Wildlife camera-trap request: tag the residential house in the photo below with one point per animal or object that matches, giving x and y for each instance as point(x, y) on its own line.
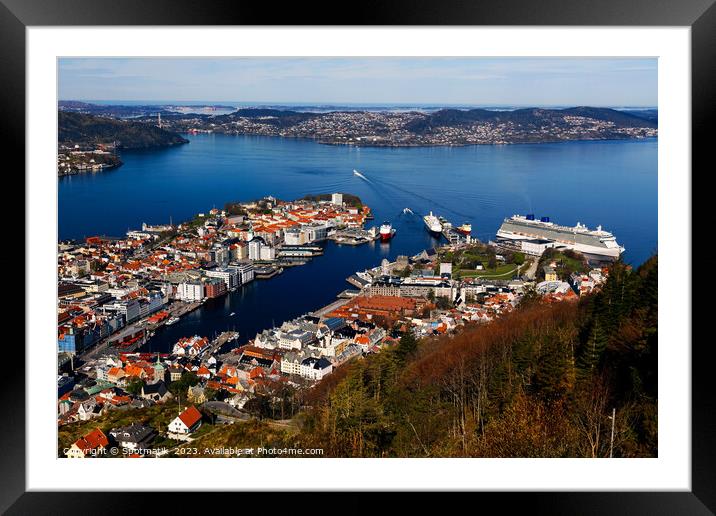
point(315, 368)
point(91, 444)
point(133, 437)
point(187, 422)
point(196, 394)
point(156, 392)
point(88, 409)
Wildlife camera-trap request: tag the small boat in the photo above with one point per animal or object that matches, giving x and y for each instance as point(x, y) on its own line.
point(172, 321)
point(232, 314)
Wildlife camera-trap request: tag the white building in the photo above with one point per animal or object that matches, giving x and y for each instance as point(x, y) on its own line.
point(291, 363)
point(239, 251)
point(294, 339)
point(315, 368)
point(337, 199)
point(245, 272)
point(446, 268)
point(220, 254)
point(255, 246)
point(535, 247)
point(190, 291)
point(228, 275)
point(186, 422)
point(296, 236)
point(129, 309)
point(267, 253)
point(154, 301)
point(317, 232)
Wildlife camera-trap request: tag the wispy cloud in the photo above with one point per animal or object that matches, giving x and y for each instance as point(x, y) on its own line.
point(548, 80)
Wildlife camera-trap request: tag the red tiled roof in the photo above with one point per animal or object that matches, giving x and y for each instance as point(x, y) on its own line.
point(93, 440)
point(190, 416)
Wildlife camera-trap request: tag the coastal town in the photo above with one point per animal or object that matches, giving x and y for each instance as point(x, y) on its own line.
point(75, 159)
point(94, 128)
point(115, 293)
point(446, 127)
point(351, 257)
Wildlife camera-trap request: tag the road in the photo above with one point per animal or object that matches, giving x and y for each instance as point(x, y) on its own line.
point(532, 270)
point(175, 309)
point(221, 340)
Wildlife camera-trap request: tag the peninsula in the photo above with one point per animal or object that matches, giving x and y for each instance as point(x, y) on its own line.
point(91, 143)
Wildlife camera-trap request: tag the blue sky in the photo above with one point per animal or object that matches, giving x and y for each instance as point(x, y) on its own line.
point(406, 80)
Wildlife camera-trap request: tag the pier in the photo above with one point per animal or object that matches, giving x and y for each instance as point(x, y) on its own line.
point(329, 308)
point(222, 339)
point(354, 236)
point(266, 271)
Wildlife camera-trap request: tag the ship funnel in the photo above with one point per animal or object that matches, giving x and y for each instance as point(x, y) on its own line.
point(544, 219)
point(530, 216)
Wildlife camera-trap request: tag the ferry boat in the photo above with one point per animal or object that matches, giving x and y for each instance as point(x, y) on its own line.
point(594, 243)
point(386, 231)
point(433, 224)
point(465, 228)
point(172, 321)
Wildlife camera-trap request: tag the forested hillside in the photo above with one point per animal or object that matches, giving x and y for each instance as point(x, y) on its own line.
point(88, 130)
point(540, 382)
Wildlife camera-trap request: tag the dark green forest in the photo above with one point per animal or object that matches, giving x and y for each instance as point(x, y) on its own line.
point(82, 129)
point(540, 382)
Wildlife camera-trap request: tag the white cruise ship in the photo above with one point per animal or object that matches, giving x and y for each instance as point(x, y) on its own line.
point(433, 223)
point(595, 243)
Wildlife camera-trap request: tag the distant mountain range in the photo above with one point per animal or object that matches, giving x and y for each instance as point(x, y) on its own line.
point(448, 126)
point(529, 117)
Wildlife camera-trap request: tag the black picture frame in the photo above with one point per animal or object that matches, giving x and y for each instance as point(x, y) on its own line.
point(700, 15)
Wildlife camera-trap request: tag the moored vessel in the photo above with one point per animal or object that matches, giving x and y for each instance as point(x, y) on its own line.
point(465, 228)
point(386, 231)
point(533, 236)
point(433, 224)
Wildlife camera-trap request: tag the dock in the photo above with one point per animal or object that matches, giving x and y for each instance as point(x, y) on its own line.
point(452, 235)
point(455, 237)
point(348, 294)
point(266, 272)
point(222, 339)
point(354, 236)
point(133, 336)
point(329, 308)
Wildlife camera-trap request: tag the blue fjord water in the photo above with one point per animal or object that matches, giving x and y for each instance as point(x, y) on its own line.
point(612, 183)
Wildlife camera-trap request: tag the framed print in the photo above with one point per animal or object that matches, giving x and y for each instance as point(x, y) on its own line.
point(416, 254)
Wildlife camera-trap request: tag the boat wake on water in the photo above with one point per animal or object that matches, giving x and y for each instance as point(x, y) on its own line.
point(432, 202)
point(356, 173)
point(409, 192)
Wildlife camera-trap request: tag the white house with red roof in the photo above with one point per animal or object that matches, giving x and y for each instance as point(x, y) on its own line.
point(187, 422)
